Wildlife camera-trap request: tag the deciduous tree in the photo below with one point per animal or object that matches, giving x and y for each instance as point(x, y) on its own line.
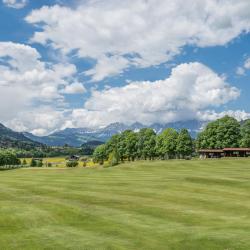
point(184, 145)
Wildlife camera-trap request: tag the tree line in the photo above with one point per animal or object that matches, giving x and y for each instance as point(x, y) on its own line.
point(226, 132)
point(147, 145)
point(8, 157)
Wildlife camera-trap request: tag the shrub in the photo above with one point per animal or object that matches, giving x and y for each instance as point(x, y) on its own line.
point(8, 158)
point(72, 164)
point(40, 163)
point(33, 163)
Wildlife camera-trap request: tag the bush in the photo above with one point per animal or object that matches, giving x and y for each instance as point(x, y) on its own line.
point(8, 158)
point(72, 164)
point(33, 163)
point(40, 163)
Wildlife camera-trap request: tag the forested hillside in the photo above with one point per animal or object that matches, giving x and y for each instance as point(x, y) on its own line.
point(12, 139)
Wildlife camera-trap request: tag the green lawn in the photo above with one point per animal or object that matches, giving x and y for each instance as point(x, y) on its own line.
point(146, 205)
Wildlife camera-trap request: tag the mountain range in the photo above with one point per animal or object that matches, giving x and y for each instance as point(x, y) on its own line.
point(12, 139)
point(78, 136)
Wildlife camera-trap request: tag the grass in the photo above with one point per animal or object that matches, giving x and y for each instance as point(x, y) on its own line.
point(144, 205)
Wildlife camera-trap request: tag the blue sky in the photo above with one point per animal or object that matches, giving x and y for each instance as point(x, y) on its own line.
point(90, 63)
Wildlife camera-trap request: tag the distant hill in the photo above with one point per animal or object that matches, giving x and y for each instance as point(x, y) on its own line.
point(12, 139)
point(78, 136)
point(89, 147)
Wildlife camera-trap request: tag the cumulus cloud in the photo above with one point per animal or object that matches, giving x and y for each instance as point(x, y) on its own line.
point(17, 4)
point(39, 121)
point(247, 63)
point(25, 80)
point(189, 91)
point(211, 115)
point(138, 33)
point(241, 71)
point(74, 88)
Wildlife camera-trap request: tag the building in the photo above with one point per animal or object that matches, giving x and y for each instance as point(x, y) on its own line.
point(225, 152)
point(211, 153)
point(236, 152)
point(74, 158)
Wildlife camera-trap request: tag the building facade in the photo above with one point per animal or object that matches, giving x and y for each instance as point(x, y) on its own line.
point(225, 152)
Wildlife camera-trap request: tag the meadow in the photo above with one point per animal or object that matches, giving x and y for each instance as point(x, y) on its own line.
point(58, 162)
point(144, 205)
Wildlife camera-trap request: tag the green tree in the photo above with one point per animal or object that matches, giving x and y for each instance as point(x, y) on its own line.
point(40, 163)
point(121, 145)
point(166, 143)
point(8, 157)
point(33, 163)
point(112, 143)
point(146, 144)
point(24, 163)
point(114, 158)
point(127, 145)
point(184, 144)
point(245, 134)
point(222, 133)
point(100, 154)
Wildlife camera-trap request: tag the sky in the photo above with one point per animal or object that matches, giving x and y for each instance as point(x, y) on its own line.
point(89, 63)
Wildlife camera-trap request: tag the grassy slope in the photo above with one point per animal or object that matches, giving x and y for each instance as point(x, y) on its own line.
point(157, 205)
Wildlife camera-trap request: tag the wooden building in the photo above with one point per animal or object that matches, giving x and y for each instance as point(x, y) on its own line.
point(74, 158)
point(211, 153)
point(236, 152)
point(225, 152)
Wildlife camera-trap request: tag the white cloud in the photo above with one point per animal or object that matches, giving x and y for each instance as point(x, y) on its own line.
point(209, 115)
point(25, 80)
point(189, 91)
point(138, 33)
point(247, 64)
point(17, 4)
point(74, 88)
point(39, 121)
point(240, 71)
